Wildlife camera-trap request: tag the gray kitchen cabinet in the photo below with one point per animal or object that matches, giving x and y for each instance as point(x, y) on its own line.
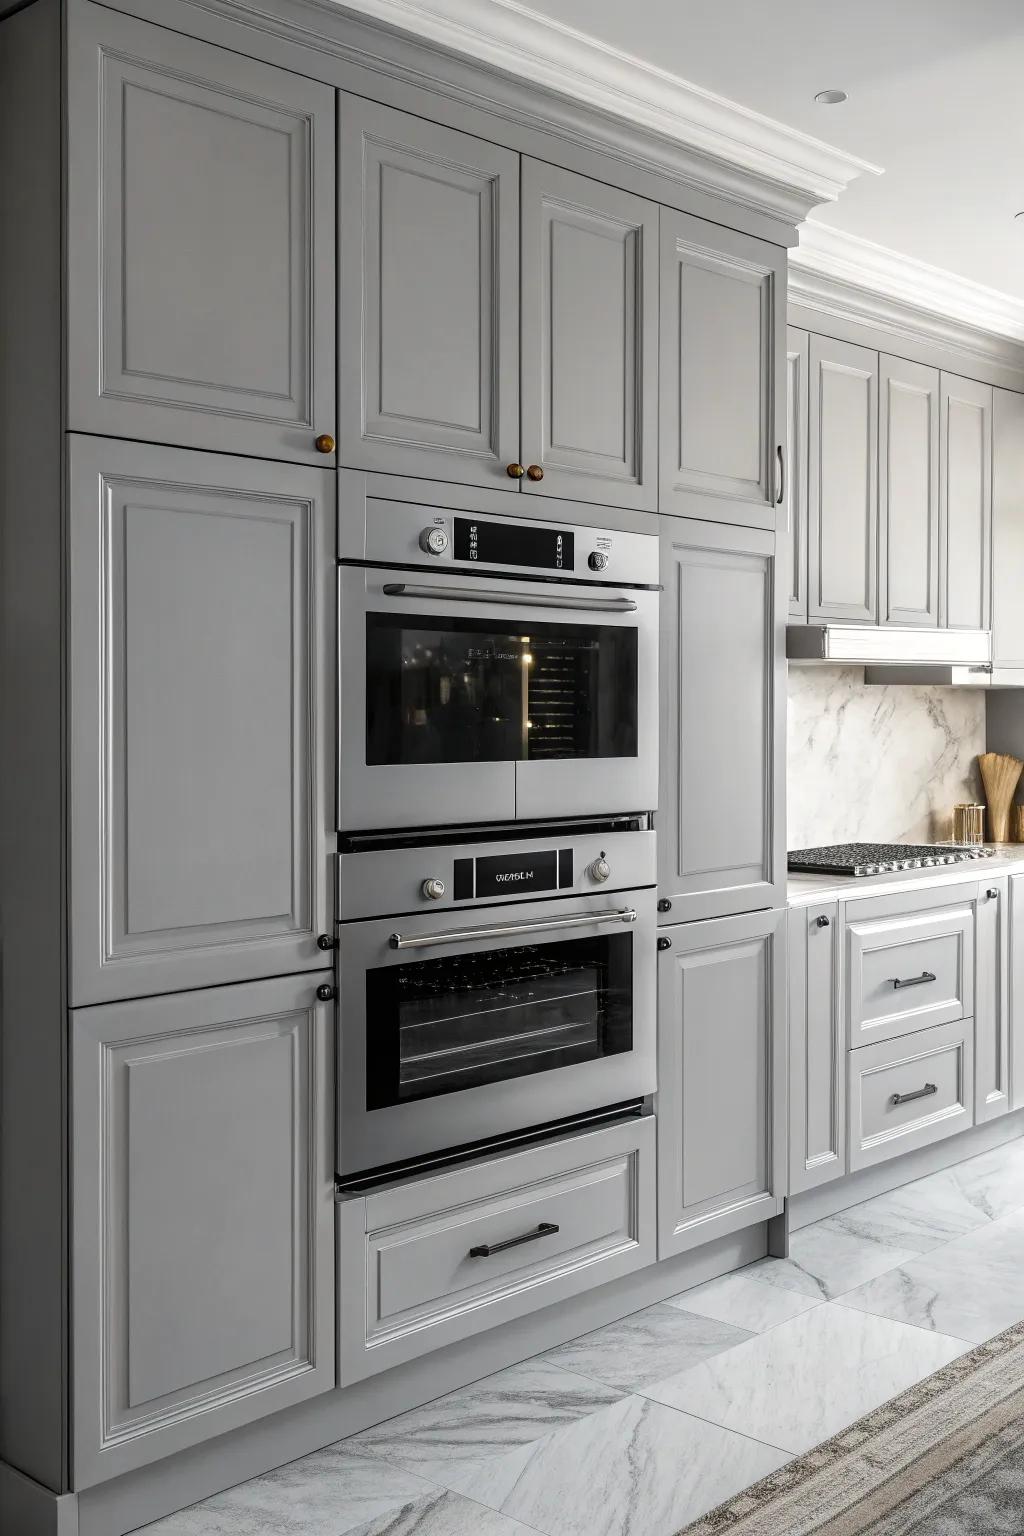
point(795, 490)
point(1015, 990)
point(200, 263)
point(721, 812)
point(589, 340)
point(817, 1049)
point(908, 492)
point(202, 710)
point(428, 298)
point(203, 1217)
point(1007, 529)
point(992, 1000)
point(723, 373)
point(965, 502)
point(842, 497)
point(721, 1077)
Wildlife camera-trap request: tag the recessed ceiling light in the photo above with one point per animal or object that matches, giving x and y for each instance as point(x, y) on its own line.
point(830, 98)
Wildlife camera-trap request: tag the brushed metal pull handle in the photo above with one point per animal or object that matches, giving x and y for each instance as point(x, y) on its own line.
point(485, 1250)
point(502, 930)
point(510, 599)
point(913, 981)
point(918, 1093)
point(780, 498)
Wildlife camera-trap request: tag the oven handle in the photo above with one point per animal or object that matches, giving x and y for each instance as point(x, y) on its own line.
point(511, 599)
point(500, 930)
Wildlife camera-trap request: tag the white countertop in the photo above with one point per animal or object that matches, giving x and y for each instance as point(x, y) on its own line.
point(803, 889)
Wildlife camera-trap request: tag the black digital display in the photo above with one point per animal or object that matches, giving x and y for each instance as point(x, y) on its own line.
point(506, 874)
point(483, 543)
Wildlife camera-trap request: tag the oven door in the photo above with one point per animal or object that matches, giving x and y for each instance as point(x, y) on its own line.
point(453, 1032)
point(467, 699)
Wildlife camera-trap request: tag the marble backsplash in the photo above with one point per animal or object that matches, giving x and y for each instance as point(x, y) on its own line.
point(878, 763)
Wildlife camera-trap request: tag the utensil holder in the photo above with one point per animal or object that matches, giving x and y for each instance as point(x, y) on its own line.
point(1000, 775)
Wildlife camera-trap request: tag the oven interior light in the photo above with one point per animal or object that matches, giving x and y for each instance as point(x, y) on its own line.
point(527, 658)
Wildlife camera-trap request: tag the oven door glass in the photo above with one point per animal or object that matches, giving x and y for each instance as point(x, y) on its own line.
point(453, 1022)
point(464, 690)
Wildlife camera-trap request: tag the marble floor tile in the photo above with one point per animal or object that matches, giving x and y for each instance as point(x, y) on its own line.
point(329, 1493)
point(513, 1407)
point(971, 1288)
point(650, 1344)
point(825, 1260)
point(993, 1182)
point(634, 1469)
point(443, 1513)
point(918, 1216)
point(744, 1300)
point(806, 1379)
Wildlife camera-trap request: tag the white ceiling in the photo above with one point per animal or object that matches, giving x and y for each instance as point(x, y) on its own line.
point(936, 97)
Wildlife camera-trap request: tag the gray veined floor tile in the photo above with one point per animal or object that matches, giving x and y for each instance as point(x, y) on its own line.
point(992, 1183)
point(825, 1260)
point(329, 1493)
point(917, 1216)
point(745, 1300)
point(972, 1288)
point(634, 1469)
point(807, 1379)
point(513, 1407)
point(650, 1344)
point(443, 1514)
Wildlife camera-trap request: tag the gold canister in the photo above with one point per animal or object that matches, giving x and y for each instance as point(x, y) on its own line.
point(969, 824)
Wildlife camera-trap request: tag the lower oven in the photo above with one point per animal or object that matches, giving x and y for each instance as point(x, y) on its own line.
point(466, 1015)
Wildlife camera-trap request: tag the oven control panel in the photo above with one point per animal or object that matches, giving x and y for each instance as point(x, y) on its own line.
point(394, 880)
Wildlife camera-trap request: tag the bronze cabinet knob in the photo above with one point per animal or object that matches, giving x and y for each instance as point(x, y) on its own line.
point(515, 471)
point(534, 472)
point(325, 443)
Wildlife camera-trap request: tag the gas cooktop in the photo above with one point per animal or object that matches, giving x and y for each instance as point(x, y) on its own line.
point(881, 858)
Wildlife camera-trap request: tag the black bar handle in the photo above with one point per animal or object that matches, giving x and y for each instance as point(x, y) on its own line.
point(780, 498)
point(918, 1093)
point(484, 1250)
point(913, 981)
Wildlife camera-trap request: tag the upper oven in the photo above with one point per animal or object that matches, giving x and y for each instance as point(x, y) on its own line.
point(494, 670)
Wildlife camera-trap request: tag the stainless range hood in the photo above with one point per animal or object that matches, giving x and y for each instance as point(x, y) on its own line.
point(896, 654)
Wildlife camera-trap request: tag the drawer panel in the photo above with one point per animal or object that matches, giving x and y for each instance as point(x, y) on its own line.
point(908, 1092)
point(909, 972)
point(409, 1282)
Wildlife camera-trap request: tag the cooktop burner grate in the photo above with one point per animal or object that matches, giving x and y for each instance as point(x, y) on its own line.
point(881, 858)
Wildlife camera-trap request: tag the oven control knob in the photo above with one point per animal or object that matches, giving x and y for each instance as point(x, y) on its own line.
point(597, 560)
point(433, 889)
point(434, 541)
point(599, 870)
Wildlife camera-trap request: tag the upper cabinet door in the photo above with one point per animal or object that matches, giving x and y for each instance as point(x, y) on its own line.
point(794, 497)
point(723, 360)
point(842, 510)
point(200, 243)
point(1008, 530)
point(965, 479)
point(908, 492)
point(428, 298)
point(202, 718)
point(589, 340)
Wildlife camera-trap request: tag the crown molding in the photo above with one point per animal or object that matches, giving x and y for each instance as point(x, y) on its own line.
point(855, 279)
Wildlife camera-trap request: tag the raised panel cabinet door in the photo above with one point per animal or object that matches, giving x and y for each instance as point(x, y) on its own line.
point(428, 299)
point(842, 492)
point(1015, 960)
point(721, 811)
point(992, 1006)
point(721, 1078)
point(723, 373)
point(817, 1049)
point(794, 498)
point(201, 234)
point(1007, 528)
point(965, 503)
point(589, 340)
point(203, 1217)
point(202, 708)
point(908, 492)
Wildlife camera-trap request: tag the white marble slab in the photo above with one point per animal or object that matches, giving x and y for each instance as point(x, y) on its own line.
point(746, 1301)
point(992, 1183)
point(825, 1260)
point(634, 1469)
point(443, 1514)
point(918, 1216)
point(805, 1380)
point(647, 1346)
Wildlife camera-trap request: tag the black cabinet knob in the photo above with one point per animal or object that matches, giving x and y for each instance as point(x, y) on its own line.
point(325, 992)
point(822, 921)
point(325, 941)
point(664, 905)
point(664, 943)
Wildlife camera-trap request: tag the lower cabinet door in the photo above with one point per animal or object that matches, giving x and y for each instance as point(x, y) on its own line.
point(817, 1049)
point(721, 1077)
point(992, 1019)
point(203, 1217)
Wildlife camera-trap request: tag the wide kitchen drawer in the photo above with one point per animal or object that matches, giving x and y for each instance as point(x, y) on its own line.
point(907, 970)
point(909, 1092)
point(426, 1263)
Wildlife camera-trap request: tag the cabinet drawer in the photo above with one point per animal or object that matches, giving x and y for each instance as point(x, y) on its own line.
point(909, 1092)
point(910, 971)
point(440, 1258)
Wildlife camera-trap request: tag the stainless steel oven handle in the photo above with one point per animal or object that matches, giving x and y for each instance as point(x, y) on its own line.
point(511, 599)
point(501, 930)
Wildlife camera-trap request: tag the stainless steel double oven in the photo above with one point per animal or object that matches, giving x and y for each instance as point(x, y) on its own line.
point(497, 770)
